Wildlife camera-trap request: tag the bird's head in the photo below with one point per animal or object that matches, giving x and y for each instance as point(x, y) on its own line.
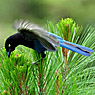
point(13, 41)
point(9, 45)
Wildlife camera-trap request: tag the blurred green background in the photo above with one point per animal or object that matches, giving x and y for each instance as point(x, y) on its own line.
point(41, 11)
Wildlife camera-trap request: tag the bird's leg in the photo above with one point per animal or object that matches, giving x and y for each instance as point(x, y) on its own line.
point(42, 56)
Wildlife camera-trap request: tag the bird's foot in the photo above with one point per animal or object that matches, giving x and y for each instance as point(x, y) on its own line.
point(36, 62)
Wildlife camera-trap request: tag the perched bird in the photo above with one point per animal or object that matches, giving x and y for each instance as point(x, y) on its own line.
point(35, 37)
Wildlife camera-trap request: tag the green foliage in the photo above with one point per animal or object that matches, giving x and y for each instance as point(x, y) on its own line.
point(18, 76)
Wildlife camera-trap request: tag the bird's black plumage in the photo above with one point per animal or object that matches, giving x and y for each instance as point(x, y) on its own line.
point(20, 39)
point(35, 37)
point(32, 36)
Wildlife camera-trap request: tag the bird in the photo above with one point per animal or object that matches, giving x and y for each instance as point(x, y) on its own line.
point(33, 36)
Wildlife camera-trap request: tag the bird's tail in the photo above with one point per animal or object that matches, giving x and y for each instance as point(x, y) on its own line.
point(75, 47)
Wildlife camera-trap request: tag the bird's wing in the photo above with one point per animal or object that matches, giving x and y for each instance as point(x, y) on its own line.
point(50, 42)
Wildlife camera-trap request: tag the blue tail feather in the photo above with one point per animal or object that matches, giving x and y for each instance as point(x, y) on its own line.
point(76, 45)
point(72, 46)
point(74, 49)
point(55, 36)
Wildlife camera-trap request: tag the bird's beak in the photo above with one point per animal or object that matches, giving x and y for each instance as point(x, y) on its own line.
point(8, 54)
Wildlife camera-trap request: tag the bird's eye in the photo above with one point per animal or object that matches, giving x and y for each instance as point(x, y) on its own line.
point(9, 45)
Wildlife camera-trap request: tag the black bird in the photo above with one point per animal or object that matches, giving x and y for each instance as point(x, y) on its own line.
point(35, 37)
